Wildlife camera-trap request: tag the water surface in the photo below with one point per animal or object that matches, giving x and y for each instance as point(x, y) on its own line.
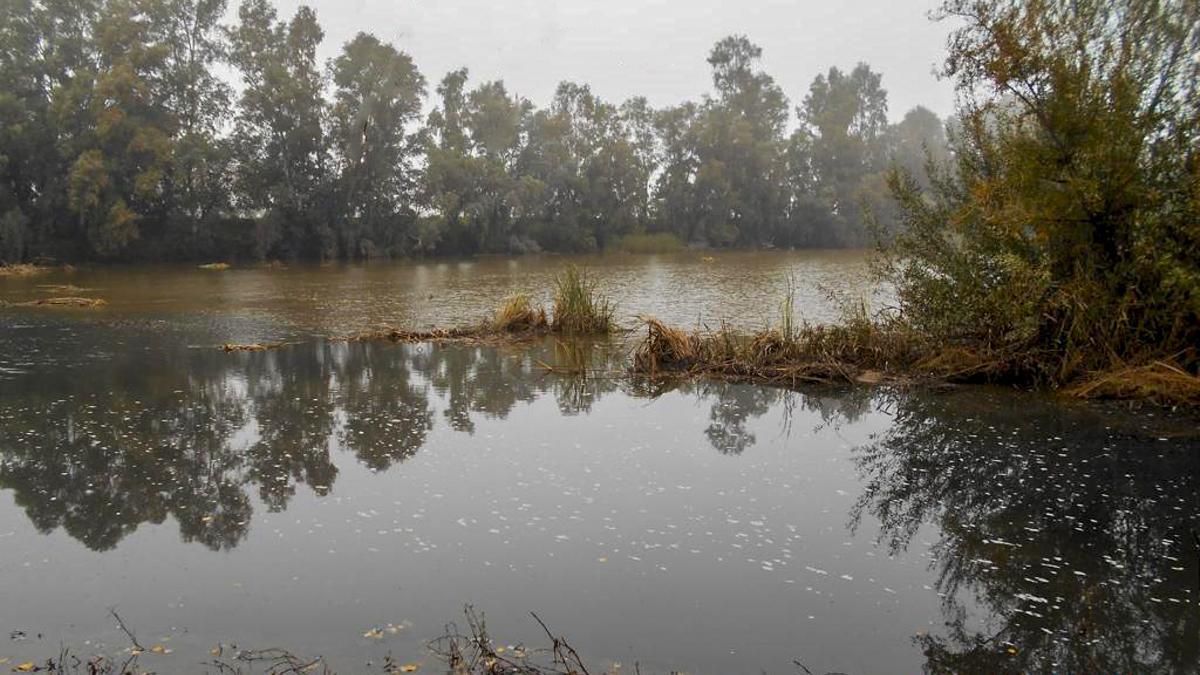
point(304, 497)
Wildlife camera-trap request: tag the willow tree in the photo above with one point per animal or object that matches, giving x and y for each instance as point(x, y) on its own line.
point(1067, 229)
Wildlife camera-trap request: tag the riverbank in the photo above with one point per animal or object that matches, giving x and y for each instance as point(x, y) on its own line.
point(858, 349)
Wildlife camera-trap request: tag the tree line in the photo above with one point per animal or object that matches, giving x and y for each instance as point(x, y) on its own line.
point(120, 141)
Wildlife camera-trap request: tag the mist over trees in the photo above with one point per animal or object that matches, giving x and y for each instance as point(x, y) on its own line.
point(119, 141)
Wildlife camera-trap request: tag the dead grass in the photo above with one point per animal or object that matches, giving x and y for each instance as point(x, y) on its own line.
point(22, 270)
point(63, 288)
point(62, 302)
point(1161, 382)
point(518, 315)
point(789, 355)
point(251, 347)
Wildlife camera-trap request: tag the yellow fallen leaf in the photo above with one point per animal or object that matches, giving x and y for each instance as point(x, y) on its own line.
point(374, 634)
point(215, 651)
point(500, 650)
point(410, 667)
point(159, 649)
point(27, 667)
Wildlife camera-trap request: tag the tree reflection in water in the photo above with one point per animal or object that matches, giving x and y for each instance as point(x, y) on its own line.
point(1075, 539)
point(100, 452)
point(1061, 544)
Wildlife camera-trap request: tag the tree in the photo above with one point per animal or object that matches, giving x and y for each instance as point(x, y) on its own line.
point(123, 154)
point(378, 96)
point(481, 201)
point(1067, 228)
point(839, 144)
point(279, 133)
point(721, 161)
point(198, 100)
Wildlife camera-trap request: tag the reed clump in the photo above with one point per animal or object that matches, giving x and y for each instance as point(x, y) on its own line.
point(518, 315)
point(804, 354)
point(579, 306)
point(517, 318)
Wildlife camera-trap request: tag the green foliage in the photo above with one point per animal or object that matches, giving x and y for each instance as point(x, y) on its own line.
point(579, 306)
point(120, 140)
point(1066, 229)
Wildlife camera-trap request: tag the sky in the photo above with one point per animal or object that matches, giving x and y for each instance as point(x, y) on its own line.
point(654, 48)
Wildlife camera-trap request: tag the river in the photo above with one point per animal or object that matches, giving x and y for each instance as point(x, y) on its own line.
point(347, 500)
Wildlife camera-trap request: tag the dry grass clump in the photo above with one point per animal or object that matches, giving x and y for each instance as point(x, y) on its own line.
point(216, 267)
point(22, 270)
point(788, 353)
point(1162, 382)
point(63, 288)
point(579, 307)
point(518, 315)
point(474, 652)
point(463, 333)
point(251, 347)
point(62, 302)
point(516, 319)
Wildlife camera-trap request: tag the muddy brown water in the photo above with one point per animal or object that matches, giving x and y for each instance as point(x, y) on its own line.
point(346, 500)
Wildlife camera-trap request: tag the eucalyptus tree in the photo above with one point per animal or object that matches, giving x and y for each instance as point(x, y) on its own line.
point(480, 200)
point(123, 140)
point(723, 159)
point(198, 99)
point(23, 122)
point(47, 59)
point(279, 137)
point(843, 123)
point(377, 99)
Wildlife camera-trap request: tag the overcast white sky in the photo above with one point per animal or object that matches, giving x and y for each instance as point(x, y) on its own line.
point(656, 48)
